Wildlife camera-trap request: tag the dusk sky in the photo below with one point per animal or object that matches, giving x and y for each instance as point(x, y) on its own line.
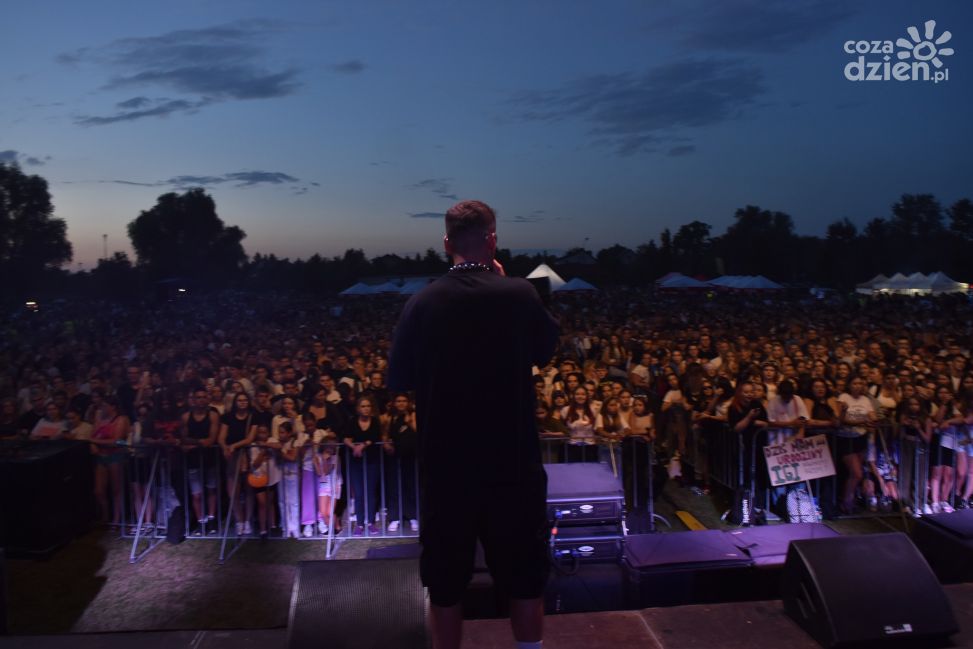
point(319, 126)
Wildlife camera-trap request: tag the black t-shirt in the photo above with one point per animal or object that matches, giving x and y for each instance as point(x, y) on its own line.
point(236, 428)
point(466, 344)
point(262, 418)
point(28, 420)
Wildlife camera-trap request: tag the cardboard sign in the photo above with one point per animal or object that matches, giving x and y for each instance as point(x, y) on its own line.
point(797, 460)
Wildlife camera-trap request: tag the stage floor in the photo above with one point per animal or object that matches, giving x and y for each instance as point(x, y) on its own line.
point(740, 625)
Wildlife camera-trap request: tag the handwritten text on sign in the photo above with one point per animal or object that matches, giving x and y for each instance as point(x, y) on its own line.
point(797, 460)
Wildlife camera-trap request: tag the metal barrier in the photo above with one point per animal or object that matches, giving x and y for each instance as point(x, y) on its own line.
point(326, 492)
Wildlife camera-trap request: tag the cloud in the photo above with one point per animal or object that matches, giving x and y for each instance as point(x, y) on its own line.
point(752, 25)
point(427, 215)
point(438, 186)
point(134, 102)
point(354, 66)
point(209, 65)
point(11, 156)
point(682, 149)
point(237, 179)
point(163, 109)
point(634, 113)
point(535, 216)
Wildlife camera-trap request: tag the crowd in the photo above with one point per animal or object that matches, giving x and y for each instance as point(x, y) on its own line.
point(282, 397)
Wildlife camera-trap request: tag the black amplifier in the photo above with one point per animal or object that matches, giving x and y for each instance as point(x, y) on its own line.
point(584, 494)
point(588, 544)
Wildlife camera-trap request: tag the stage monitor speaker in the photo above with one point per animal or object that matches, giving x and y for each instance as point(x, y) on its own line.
point(358, 604)
point(867, 590)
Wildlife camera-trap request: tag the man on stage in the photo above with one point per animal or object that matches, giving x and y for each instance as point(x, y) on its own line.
point(466, 344)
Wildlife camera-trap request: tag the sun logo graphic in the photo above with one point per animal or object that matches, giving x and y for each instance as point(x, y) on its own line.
point(918, 59)
point(925, 49)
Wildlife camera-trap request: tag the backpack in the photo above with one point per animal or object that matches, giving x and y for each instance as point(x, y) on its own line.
point(801, 507)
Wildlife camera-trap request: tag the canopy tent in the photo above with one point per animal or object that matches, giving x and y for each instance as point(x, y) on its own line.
point(678, 281)
point(869, 286)
point(546, 271)
point(746, 283)
point(575, 284)
point(359, 288)
point(414, 286)
point(914, 284)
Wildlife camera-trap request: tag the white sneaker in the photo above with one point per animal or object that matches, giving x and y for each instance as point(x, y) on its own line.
point(247, 530)
point(308, 531)
point(394, 526)
point(927, 510)
point(937, 508)
point(414, 524)
point(947, 508)
point(239, 529)
point(322, 527)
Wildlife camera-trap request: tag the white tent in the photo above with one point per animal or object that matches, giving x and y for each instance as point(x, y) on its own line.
point(679, 281)
point(357, 289)
point(546, 271)
point(746, 283)
point(869, 286)
point(762, 283)
point(941, 283)
point(916, 284)
point(575, 284)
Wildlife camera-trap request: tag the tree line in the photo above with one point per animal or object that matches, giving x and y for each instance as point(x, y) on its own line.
point(182, 237)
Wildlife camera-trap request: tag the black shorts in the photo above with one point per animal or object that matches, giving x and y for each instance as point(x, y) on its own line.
point(510, 521)
point(939, 455)
point(851, 445)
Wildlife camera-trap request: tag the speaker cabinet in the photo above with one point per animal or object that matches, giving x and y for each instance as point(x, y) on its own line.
point(869, 590)
point(358, 604)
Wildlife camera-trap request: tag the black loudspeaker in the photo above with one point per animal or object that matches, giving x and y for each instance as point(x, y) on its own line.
point(358, 604)
point(45, 495)
point(946, 540)
point(867, 590)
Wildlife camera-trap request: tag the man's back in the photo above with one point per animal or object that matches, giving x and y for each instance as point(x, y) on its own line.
point(466, 345)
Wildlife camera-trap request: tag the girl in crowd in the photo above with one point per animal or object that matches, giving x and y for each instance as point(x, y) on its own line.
point(582, 423)
point(236, 434)
point(709, 418)
point(288, 413)
point(747, 417)
point(261, 475)
point(858, 418)
point(288, 491)
point(613, 423)
point(675, 417)
point(109, 459)
point(948, 424)
point(328, 482)
point(913, 427)
point(313, 437)
point(400, 463)
point(78, 428)
point(141, 465)
point(362, 436)
point(318, 406)
point(51, 426)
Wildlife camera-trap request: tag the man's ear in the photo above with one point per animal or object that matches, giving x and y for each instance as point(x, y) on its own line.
point(447, 245)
